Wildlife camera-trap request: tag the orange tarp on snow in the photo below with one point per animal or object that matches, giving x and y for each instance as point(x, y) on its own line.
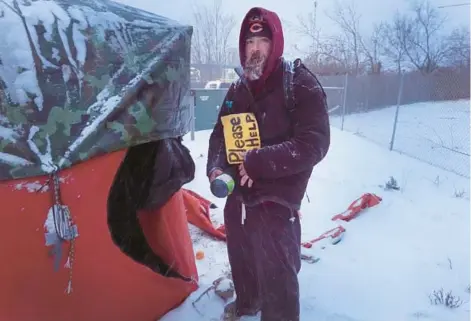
point(107, 285)
point(367, 200)
point(198, 214)
point(197, 210)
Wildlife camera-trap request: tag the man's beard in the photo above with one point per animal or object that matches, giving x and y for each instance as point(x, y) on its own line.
point(254, 65)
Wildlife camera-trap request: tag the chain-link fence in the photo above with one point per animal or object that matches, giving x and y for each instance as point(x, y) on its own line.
point(423, 116)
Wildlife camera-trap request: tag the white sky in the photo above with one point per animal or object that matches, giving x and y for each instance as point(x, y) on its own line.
point(372, 11)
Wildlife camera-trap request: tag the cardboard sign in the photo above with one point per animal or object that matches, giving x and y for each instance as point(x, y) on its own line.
point(241, 135)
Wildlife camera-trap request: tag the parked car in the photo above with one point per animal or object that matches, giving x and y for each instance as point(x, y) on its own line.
point(217, 84)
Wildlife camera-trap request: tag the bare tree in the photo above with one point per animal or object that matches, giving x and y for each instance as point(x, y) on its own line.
point(459, 48)
point(213, 28)
point(307, 27)
point(336, 55)
point(325, 55)
point(424, 45)
point(393, 37)
point(369, 48)
point(348, 20)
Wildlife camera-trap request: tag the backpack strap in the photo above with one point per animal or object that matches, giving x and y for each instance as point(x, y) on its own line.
point(288, 74)
point(289, 68)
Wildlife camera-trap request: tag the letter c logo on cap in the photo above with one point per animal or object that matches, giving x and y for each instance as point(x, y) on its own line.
point(256, 27)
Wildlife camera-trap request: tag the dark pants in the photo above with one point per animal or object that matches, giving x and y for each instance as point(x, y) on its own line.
point(264, 254)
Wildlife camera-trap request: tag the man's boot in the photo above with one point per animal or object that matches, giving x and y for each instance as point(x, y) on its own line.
point(231, 313)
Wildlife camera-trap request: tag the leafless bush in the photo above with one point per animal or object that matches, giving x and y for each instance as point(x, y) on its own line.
point(447, 299)
point(459, 193)
point(392, 184)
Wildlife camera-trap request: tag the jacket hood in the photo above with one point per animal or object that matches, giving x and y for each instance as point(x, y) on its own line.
point(274, 23)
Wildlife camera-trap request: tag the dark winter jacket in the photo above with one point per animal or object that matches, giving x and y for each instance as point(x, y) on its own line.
point(294, 138)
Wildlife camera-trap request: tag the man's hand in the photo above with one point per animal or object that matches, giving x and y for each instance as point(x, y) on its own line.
point(244, 177)
point(214, 173)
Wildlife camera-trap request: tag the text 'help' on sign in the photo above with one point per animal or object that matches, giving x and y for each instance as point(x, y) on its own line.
point(241, 134)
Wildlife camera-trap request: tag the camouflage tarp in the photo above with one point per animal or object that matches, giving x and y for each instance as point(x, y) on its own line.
point(79, 78)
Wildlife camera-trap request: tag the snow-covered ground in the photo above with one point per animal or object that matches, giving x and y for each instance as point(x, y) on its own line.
point(391, 258)
point(435, 132)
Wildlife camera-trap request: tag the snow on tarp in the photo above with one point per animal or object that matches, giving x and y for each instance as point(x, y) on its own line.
point(80, 78)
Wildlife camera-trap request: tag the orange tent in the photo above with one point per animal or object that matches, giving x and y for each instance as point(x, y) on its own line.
point(103, 278)
point(91, 85)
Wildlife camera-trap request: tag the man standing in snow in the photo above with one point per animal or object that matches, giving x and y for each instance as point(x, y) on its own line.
point(261, 220)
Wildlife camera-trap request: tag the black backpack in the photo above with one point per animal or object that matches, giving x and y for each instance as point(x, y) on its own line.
point(289, 69)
